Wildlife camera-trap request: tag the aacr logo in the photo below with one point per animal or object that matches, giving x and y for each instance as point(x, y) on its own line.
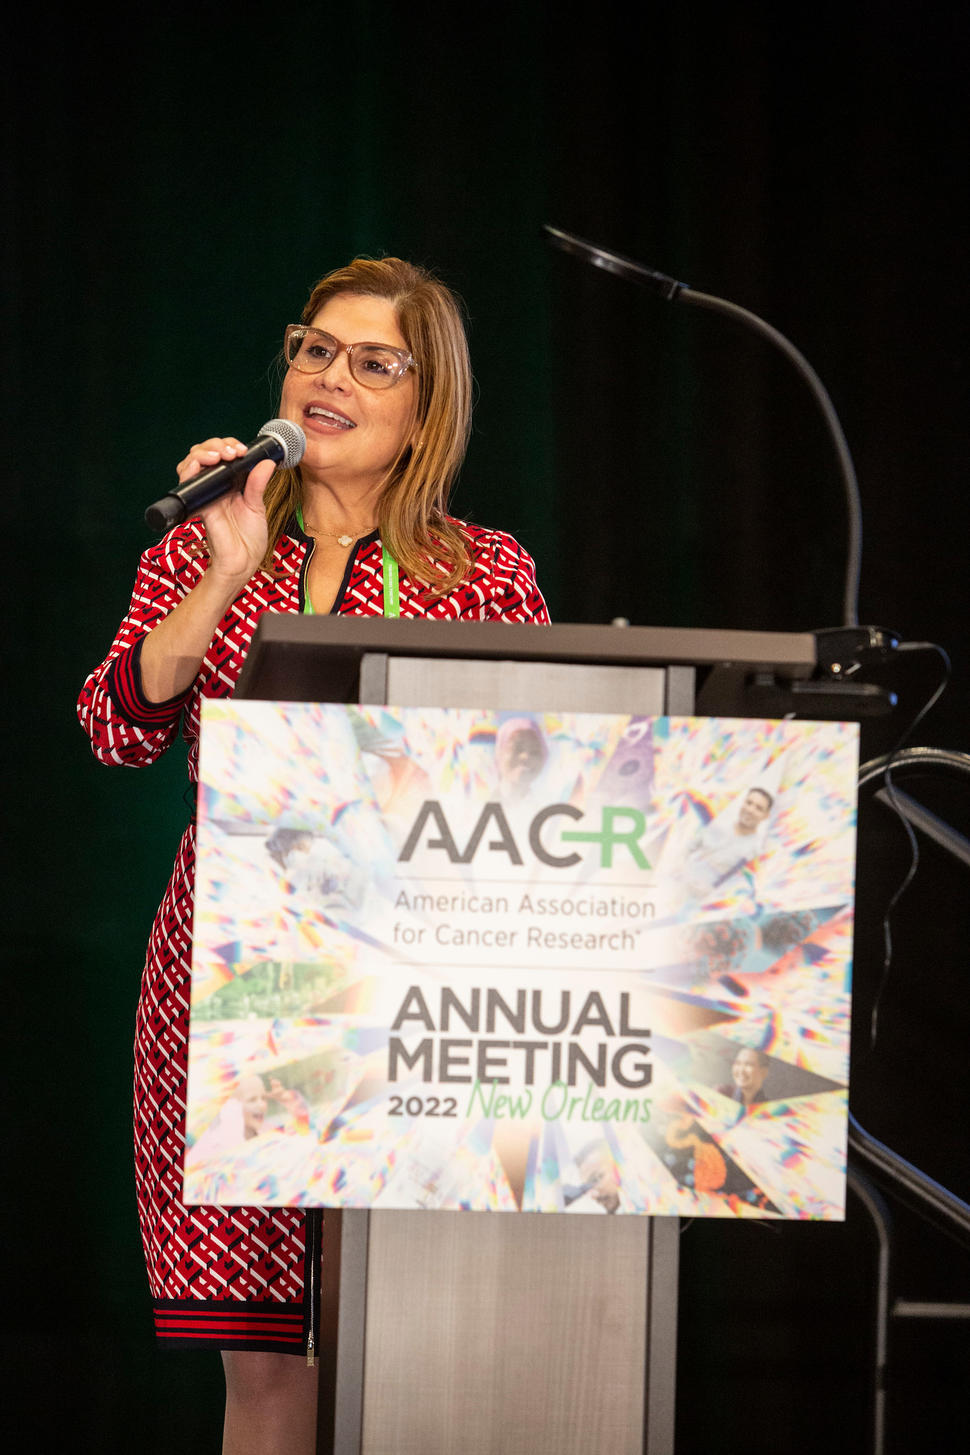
point(619, 828)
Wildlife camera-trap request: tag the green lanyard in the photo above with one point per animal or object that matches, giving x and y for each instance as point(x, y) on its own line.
point(392, 595)
point(390, 575)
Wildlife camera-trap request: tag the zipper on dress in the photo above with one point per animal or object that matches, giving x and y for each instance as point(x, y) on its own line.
point(303, 582)
point(312, 1254)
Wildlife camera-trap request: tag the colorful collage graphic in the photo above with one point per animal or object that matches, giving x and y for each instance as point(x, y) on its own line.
point(550, 962)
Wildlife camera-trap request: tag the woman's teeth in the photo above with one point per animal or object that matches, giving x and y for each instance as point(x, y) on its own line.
point(316, 412)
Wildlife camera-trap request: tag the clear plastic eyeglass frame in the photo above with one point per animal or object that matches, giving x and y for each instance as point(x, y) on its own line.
point(376, 366)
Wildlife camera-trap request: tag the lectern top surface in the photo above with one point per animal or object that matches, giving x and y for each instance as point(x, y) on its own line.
point(285, 641)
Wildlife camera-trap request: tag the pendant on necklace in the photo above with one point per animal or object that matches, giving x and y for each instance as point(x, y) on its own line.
point(344, 540)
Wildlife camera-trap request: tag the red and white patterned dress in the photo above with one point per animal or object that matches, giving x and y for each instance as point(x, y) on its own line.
point(234, 1277)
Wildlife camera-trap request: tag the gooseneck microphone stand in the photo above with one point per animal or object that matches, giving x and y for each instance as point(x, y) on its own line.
point(675, 292)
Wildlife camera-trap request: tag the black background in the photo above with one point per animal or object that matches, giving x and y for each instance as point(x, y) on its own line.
point(175, 183)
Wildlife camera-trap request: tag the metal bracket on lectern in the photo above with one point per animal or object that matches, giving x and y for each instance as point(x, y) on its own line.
point(731, 691)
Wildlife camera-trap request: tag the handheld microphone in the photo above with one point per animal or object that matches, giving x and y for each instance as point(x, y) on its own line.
point(279, 439)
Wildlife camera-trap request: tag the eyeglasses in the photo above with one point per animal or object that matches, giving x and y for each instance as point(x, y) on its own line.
point(376, 366)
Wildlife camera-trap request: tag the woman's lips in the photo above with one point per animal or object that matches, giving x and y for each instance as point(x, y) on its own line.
point(322, 416)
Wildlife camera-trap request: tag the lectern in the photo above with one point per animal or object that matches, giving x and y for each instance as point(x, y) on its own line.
point(485, 1333)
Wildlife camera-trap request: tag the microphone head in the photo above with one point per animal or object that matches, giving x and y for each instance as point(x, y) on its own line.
point(616, 263)
point(290, 436)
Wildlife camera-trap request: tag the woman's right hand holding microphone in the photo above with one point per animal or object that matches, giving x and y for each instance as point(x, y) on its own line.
point(235, 526)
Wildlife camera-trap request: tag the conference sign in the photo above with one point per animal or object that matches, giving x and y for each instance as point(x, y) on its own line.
point(571, 963)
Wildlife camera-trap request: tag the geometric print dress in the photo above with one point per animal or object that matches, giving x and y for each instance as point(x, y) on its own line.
point(235, 1277)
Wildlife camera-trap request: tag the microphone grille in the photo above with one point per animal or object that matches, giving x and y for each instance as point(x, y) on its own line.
point(290, 436)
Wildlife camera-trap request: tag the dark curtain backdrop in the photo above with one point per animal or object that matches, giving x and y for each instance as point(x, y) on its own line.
point(176, 180)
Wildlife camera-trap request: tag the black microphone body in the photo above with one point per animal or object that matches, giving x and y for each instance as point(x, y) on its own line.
point(279, 439)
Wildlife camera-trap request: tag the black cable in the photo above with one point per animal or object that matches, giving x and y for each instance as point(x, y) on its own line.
point(887, 774)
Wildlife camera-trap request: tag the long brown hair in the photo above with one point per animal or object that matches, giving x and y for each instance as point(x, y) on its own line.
point(412, 509)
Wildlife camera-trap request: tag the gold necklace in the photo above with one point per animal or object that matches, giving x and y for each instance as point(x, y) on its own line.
point(342, 539)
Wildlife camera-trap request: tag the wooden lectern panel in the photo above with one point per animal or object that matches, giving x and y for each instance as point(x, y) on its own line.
point(491, 1334)
point(532, 686)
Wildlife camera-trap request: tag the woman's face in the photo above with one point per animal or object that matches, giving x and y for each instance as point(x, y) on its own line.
point(353, 433)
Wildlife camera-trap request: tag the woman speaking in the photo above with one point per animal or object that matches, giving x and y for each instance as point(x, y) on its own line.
point(378, 378)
